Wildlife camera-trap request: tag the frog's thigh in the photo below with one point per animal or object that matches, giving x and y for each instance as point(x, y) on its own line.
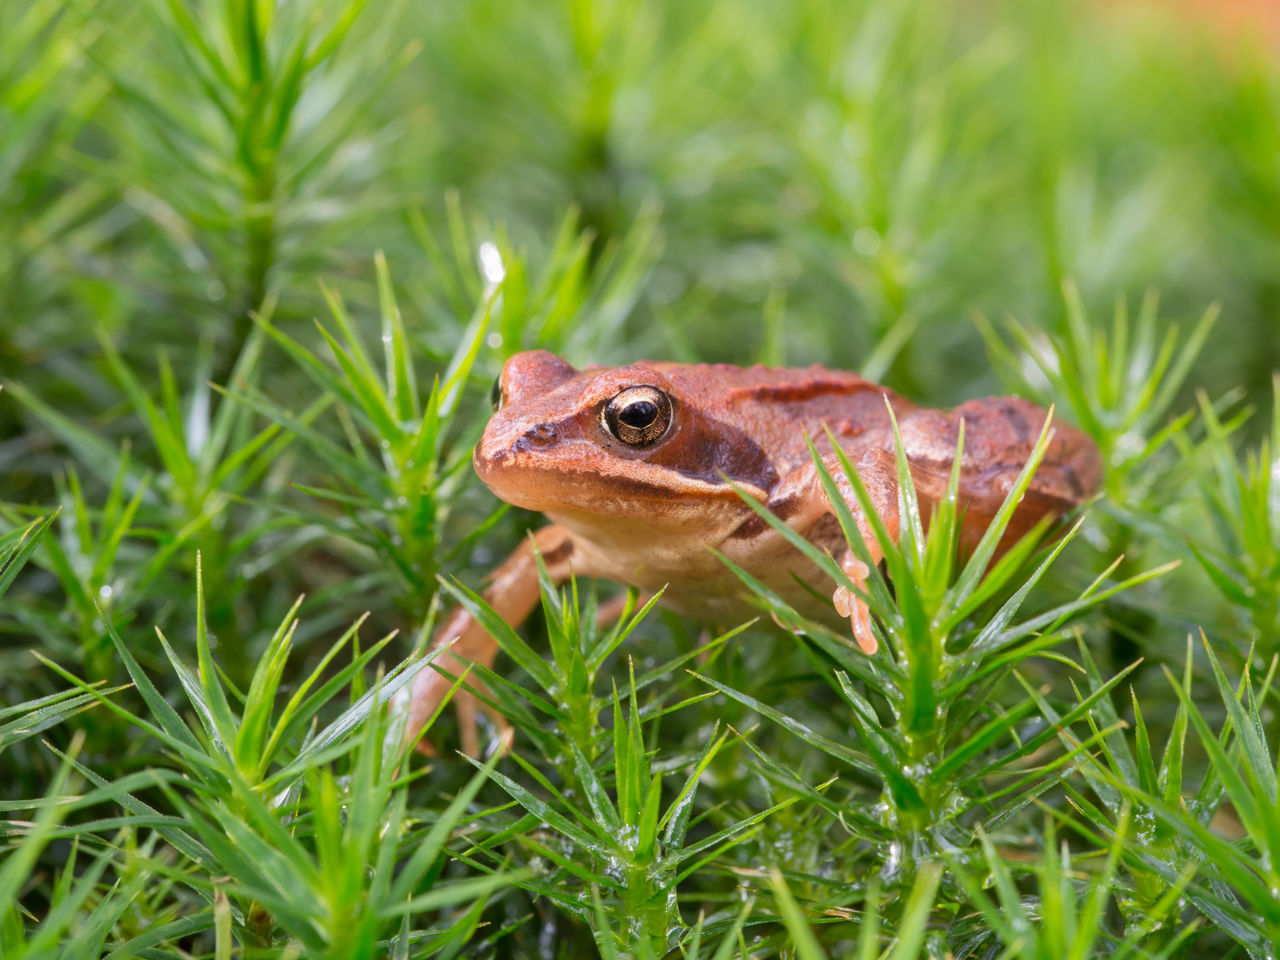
point(999, 435)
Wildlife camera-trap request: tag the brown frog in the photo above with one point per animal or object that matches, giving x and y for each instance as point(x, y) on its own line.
point(631, 465)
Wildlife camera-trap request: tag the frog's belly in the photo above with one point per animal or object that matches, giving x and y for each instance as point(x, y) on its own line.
point(706, 589)
point(729, 602)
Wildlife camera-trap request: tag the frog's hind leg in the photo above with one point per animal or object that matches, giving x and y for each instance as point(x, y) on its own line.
point(513, 593)
point(1000, 434)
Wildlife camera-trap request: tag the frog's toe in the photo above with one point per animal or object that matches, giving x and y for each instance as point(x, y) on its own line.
point(843, 599)
point(849, 604)
point(862, 632)
point(468, 727)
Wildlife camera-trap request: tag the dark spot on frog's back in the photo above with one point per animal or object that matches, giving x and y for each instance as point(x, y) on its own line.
point(1014, 414)
point(1068, 473)
point(1018, 420)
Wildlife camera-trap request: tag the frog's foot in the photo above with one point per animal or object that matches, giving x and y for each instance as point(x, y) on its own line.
point(466, 702)
point(849, 604)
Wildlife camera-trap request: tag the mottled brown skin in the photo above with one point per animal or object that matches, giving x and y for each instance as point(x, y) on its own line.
point(648, 516)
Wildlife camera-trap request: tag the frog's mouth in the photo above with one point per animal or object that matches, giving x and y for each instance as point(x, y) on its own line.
point(535, 481)
point(548, 468)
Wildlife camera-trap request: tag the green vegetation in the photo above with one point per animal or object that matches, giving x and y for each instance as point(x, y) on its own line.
point(259, 265)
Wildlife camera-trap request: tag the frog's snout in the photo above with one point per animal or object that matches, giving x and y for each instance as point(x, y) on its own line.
point(506, 442)
point(512, 446)
point(539, 437)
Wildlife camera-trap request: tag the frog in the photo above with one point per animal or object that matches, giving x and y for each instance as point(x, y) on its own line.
point(644, 472)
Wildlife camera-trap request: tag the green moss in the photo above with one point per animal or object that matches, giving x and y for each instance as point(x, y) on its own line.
point(1037, 764)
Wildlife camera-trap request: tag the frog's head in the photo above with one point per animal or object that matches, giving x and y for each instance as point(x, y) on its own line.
point(626, 442)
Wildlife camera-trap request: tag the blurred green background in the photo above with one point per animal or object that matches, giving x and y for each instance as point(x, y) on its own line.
point(813, 174)
point(856, 184)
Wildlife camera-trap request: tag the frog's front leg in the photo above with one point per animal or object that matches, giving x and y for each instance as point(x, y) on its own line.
point(513, 594)
point(801, 499)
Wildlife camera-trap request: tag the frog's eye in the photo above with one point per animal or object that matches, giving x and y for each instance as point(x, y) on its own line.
point(495, 395)
point(638, 416)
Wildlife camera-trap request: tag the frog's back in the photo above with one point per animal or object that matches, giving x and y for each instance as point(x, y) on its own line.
point(778, 406)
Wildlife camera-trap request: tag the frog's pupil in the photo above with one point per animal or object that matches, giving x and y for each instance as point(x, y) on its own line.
point(639, 414)
point(495, 395)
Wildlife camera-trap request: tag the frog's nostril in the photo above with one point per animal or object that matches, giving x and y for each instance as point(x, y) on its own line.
point(543, 435)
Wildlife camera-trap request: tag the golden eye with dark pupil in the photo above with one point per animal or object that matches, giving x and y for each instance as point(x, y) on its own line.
point(495, 395)
point(638, 416)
